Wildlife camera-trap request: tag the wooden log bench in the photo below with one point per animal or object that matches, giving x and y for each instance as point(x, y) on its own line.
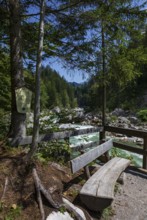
point(98, 192)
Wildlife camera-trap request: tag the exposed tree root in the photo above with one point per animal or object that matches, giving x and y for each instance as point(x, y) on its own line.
point(69, 206)
point(5, 188)
point(43, 190)
point(39, 195)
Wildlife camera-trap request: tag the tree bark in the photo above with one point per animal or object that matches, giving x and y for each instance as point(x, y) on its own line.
point(18, 127)
point(104, 80)
point(37, 86)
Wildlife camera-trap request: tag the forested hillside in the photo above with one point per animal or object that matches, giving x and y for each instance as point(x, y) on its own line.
point(55, 90)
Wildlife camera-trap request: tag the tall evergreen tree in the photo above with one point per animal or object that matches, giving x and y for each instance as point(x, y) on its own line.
point(18, 128)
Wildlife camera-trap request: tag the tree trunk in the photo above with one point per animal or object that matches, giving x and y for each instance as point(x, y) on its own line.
point(18, 127)
point(104, 80)
point(37, 86)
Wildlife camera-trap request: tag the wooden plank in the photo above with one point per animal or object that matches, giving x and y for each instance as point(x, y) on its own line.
point(127, 147)
point(98, 192)
point(129, 132)
point(88, 157)
point(58, 135)
point(145, 153)
point(84, 146)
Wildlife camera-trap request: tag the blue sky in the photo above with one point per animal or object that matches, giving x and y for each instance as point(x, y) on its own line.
point(54, 63)
point(69, 75)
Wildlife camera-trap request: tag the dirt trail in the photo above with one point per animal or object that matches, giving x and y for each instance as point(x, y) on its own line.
point(130, 201)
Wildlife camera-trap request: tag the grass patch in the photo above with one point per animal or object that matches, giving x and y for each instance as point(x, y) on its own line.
point(107, 213)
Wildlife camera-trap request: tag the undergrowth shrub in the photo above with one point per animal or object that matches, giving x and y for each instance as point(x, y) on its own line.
point(4, 123)
point(142, 115)
point(58, 151)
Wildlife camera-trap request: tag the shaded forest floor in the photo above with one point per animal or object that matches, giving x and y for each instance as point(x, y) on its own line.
point(18, 198)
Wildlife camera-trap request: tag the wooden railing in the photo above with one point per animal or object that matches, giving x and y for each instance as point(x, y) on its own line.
point(134, 133)
point(69, 133)
point(58, 135)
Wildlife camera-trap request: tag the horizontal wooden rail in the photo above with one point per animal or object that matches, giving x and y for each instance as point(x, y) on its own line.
point(131, 132)
point(85, 146)
point(58, 135)
point(127, 147)
point(128, 132)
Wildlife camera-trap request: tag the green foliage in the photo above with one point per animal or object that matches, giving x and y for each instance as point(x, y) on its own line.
point(62, 209)
point(116, 188)
point(113, 118)
point(5, 82)
point(48, 125)
point(13, 213)
point(108, 213)
point(1, 206)
point(115, 152)
point(142, 114)
point(55, 150)
point(4, 123)
point(55, 91)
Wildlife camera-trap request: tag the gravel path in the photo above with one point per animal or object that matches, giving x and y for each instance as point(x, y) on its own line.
point(130, 201)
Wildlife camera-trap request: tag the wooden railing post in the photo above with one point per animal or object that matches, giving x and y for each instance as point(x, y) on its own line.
point(102, 137)
point(102, 140)
point(145, 153)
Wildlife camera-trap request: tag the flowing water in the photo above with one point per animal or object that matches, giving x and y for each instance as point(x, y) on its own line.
point(136, 159)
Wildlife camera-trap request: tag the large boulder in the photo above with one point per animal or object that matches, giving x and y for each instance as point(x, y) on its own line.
point(133, 119)
point(79, 112)
point(78, 115)
point(118, 112)
point(56, 110)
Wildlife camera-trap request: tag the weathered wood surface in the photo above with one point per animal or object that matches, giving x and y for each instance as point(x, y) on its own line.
point(88, 157)
point(85, 146)
point(98, 192)
point(127, 147)
point(126, 131)
point(58, 135)
point(78, 213)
